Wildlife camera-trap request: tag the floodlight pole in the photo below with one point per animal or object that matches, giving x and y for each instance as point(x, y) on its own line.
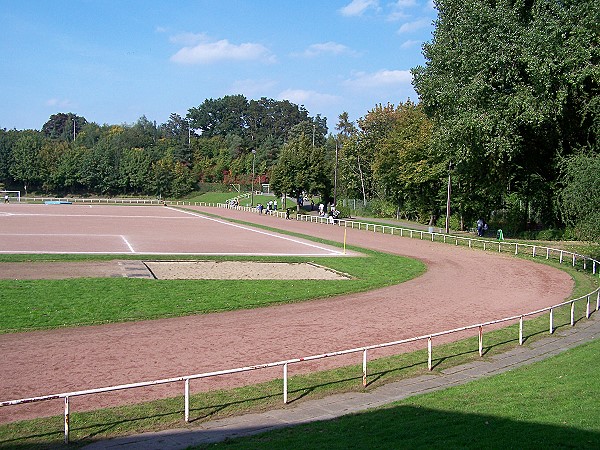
point(448, 198)
point(335, 175)
point(252, 193)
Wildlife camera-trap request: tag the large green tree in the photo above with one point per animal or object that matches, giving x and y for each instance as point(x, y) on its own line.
point(513, 87)
point(63, 126)
point(302, 167)
point(406, 168)
point(26, 162)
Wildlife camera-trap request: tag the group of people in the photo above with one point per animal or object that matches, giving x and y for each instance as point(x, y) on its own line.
point(271, 206)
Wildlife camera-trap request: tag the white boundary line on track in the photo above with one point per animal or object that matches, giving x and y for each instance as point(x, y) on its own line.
point(254, 230)
point(36, 252)
point(128, 244)
point(95, 216)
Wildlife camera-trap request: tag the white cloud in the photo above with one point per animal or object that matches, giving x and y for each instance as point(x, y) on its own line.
point(253, 88)
point(188, 39)
point(410, 44)
point(307, 97)
point(382, 78)
point(358, 7)
point(223, 50)
point(398, 10)
point(59, 102)
point(331, 48)
point(416, 25)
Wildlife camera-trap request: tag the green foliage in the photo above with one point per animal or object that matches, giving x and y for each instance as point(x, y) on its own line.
point(144, 158)
point(63, 126)
point(381, 208)
point(580, 196)
point(345, 212)
point(511, 87)
point(301, 167)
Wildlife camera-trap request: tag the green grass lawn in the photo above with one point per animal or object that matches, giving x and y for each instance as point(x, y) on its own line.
point(549, 404)
point(42, 304)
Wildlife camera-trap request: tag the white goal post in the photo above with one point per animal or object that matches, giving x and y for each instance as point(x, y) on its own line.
point(9, 196)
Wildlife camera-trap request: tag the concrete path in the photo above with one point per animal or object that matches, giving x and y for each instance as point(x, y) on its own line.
point(341, 404)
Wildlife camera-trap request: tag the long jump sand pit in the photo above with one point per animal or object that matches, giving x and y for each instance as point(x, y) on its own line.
point(240, 270)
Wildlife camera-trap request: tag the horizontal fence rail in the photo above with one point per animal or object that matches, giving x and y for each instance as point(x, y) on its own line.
point(587, 263)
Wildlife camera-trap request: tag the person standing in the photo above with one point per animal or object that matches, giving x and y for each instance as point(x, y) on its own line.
point(480, 227)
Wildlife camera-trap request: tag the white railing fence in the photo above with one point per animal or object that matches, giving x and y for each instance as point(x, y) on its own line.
point(532, 250)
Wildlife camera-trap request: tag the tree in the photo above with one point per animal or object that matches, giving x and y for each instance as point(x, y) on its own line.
point(579, 199)
point(301, 168)
point(220, 117)
point(405, 167)
point(26, 163)
point(64, 126)
point(512, 88)
point(7, 142)
point(268, 119)
point(67, 176)
point(135, 171)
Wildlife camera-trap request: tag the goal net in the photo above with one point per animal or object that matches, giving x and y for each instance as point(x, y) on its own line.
point(10, 196)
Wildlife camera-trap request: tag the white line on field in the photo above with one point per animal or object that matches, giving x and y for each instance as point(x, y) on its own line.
point(254, 230)
point(37, 252)
point(128, 244)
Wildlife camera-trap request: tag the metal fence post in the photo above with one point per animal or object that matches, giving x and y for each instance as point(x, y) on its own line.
point(365, 367)
point(186, 396)
point(285, 383)
point(587, 308)
point(551, 321)
point(66, 419)
point(572, 314)
point(480, 340)
point(521, 330)
point(429, 366)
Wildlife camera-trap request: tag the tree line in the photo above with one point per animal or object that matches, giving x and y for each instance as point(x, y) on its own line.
point(508, 115)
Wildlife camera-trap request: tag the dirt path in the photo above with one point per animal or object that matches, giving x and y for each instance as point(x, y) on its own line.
point(461, 287)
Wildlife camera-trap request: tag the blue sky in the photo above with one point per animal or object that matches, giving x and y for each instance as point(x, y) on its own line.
point(114, 61)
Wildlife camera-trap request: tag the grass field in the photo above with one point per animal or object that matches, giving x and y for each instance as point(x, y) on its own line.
point(43, 304)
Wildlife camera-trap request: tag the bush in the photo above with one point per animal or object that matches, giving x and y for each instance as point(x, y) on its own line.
point(382, 208)
point(345, 212)
point(454, 222)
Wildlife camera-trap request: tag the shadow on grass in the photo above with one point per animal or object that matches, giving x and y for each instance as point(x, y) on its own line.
point(416, 427)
